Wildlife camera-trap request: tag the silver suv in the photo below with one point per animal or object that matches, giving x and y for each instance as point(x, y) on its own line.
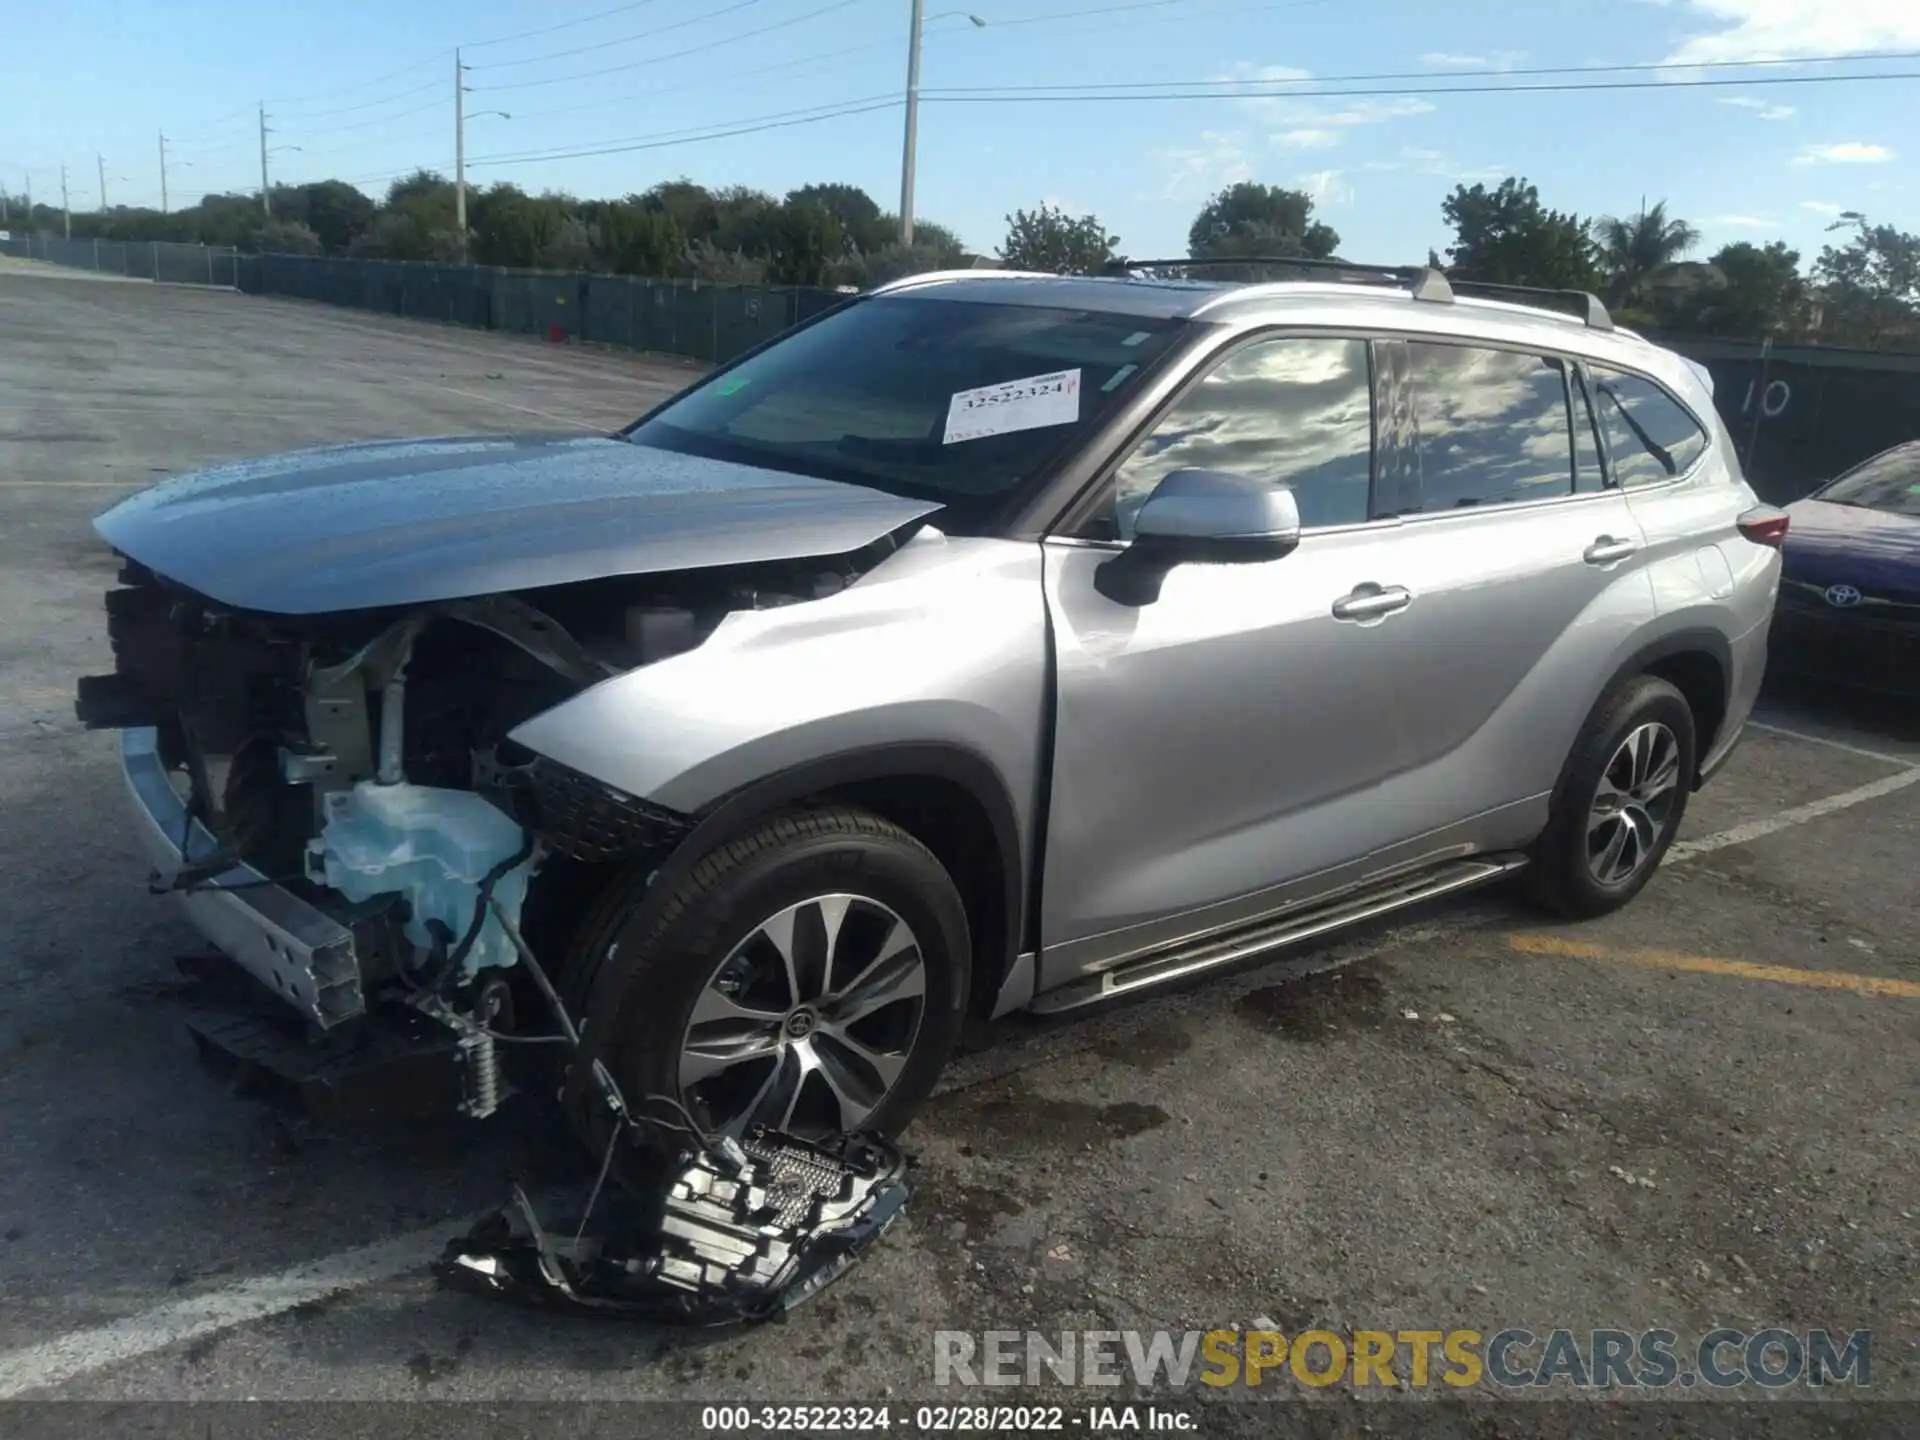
point(992, 642)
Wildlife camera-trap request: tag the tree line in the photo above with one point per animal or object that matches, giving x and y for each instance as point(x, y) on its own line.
point(1862, 289)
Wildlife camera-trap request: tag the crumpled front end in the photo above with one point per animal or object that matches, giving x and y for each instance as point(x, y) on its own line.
point(335, 803)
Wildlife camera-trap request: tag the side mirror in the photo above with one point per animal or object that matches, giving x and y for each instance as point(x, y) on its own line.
point(1207, 516)
point(1212, 515)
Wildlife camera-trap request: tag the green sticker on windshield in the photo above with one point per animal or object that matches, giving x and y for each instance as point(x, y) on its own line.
point(733, 387)
point(1913, 489)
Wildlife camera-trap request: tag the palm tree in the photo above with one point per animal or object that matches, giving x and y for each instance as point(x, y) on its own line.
point(1639, 247)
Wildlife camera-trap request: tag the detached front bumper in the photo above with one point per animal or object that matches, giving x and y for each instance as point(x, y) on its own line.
point(303, 956)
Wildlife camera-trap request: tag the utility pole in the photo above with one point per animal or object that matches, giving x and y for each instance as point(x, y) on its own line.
point(101, 160)
point(266, 202)
point(66, 209)
point(163, 172)
point(460, 153)
point(916, 23)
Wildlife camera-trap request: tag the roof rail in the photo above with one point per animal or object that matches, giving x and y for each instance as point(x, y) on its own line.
point(1422, 281)
point(1591, 312)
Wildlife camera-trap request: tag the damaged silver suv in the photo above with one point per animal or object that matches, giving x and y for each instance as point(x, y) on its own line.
point(991, 642)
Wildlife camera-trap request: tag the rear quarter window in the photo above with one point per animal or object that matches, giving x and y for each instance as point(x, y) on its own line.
point(1651, 437)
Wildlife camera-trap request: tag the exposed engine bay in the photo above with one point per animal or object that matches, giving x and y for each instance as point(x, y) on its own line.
point(359, 761)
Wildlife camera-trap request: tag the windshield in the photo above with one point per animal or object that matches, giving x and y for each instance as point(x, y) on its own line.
point(1886, 482)
point(947, 400)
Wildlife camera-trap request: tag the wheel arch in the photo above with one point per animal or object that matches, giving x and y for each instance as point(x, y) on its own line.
point(948, 797)
point(1696, 661)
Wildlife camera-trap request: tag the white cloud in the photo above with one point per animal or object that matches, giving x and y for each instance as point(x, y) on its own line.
point(1453, 60)
point(1847, 152)
point(1796, 29)
point(1195, 171)
point(1327, 187)
point(1739, 222)
point(1760, 108)
point(1824, 207)
point(1306, 122)
point(1420, 161)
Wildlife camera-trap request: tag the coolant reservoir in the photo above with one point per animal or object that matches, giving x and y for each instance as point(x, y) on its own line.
point(431, 846)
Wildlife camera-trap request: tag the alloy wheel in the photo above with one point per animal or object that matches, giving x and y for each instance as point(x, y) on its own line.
point(1633, 804)
point(808, 1022)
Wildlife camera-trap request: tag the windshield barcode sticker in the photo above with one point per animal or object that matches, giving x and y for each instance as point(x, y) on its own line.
point(1028, 404)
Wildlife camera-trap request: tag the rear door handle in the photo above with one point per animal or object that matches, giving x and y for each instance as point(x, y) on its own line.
point(1608, 551)
point(1372, 602)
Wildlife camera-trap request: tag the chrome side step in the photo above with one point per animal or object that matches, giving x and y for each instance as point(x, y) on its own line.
point(1164, 966)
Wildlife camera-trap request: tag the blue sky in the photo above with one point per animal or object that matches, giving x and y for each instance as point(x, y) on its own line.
point(364, 90)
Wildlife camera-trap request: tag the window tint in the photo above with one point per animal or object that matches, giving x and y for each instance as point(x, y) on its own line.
point(956, 401)
point(1295, 412)
point(1889, 481)
point(1650, 435)
point(1588, 475)
point(1492, 426)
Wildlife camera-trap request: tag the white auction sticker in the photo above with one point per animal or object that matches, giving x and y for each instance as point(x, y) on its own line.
point(1028, 404)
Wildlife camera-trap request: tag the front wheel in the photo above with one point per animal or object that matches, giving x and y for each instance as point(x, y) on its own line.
point(1620, 801)
point(810, 976)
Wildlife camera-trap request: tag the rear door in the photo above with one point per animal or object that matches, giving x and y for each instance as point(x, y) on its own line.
point(1524, 573)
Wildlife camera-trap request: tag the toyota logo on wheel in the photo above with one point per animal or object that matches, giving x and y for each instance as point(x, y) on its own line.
point(1843, 595)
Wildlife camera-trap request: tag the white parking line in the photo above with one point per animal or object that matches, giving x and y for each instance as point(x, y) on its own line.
point(1879, 755)
point(82, 1351)
point(1799, 815)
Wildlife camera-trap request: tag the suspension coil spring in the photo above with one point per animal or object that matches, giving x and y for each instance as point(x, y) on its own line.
point(482, 1058)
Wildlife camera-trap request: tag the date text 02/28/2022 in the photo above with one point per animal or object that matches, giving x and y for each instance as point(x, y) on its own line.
point(945, 1419)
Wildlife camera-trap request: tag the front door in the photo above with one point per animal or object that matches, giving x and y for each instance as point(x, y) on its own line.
point(1221, 747)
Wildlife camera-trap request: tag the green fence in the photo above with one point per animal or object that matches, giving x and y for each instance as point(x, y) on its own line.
point(701, 321)
point(676, 317)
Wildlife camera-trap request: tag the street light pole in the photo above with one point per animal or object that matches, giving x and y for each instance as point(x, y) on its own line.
point(459, 154)
point(163, 172)
point(101, 160)
point(916, 24)
point(266, 202)
point(916, 28)
point(66, 206)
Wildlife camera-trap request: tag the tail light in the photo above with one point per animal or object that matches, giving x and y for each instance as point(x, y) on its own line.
point(1764, 525)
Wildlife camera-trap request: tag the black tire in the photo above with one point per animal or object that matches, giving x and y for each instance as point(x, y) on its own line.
point(1562, 874)
point(642, 960)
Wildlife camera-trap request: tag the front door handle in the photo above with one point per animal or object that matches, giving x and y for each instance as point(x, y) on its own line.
point(1372, 602)
point(1608, 551)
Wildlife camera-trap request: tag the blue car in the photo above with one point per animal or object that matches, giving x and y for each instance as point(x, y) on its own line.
point(1849, 610)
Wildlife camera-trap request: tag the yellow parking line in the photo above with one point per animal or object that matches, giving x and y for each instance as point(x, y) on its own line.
point(1708, 965)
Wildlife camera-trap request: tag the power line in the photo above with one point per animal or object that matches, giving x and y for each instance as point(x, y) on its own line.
point(562, 25)
point(849, 108)
point(807, 111)
point(675, 55)
point(628, 97)
point(621, 39)
point(1253, 94)
point(438, 58)
point(364, 104)
point(1454, 75)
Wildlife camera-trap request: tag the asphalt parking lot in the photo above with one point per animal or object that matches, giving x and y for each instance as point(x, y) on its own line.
point(1699, 1111)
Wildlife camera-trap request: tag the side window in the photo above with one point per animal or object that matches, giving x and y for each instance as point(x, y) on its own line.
point(1295, 412)
point(1650, 436)
point(1493, 426)
point(1588, 475)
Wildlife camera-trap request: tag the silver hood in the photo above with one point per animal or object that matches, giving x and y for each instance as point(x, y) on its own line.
point(408, 522)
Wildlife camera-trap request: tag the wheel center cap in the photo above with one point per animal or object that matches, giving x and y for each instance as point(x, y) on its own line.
point(799, 1024)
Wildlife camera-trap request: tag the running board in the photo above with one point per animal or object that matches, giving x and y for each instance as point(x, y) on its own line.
point(1162, 967)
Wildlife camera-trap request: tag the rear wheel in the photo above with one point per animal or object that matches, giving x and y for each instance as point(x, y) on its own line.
point(1620, 801)
point(810, 976)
